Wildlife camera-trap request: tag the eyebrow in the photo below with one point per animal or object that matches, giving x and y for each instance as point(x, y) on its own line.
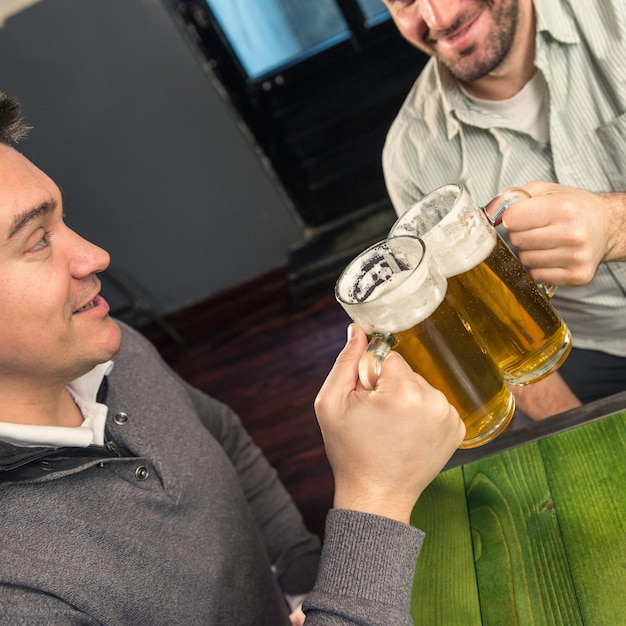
point(22, 219)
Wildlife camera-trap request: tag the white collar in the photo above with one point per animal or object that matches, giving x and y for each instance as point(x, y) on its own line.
point(84, 391)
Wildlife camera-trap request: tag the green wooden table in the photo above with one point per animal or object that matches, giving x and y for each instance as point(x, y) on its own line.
point(531, 531)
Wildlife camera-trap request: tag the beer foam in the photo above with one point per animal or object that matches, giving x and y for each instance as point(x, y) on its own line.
point(391, 293)
point(456, 232)
point(456, 255)
point(427, 213)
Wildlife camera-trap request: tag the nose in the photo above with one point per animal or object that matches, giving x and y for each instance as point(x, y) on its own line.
point(439, 14)
point(86, 257)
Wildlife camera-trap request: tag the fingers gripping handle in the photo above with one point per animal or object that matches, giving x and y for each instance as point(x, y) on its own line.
point(502, 202)
point(371, 362)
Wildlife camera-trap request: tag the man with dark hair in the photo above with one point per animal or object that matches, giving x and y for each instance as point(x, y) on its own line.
point(517, 92)
point(12, 127)
point(128, 496)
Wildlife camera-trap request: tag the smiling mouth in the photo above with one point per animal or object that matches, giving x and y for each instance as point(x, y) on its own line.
point(453, 33)
point(88, 306)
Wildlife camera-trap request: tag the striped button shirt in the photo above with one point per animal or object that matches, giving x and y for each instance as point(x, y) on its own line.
point(441, 136)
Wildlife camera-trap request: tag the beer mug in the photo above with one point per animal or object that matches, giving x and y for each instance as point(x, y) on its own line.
point(498, 299)
point(396, 292)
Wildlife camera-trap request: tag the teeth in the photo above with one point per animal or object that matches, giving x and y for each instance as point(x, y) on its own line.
point(89, 305)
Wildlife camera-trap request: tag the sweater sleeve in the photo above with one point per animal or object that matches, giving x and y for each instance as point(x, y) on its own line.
point(366, 572)
point(292, 549)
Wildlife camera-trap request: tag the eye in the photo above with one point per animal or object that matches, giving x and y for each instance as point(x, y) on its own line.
point(44, 242)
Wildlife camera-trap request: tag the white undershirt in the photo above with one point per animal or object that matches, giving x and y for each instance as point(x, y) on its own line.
point(84, 391)
point(527, 110)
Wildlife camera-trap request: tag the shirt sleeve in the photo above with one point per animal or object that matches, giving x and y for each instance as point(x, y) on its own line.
point(293, 551)
point(366, 572)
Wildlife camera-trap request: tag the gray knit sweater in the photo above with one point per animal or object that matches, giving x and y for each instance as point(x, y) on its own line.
point(180, 523)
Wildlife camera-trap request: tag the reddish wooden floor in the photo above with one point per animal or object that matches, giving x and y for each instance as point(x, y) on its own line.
point(266, 358)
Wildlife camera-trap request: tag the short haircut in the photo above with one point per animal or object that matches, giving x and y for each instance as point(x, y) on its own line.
point(12, 127)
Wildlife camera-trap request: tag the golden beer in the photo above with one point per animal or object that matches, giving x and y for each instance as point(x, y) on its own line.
point(510, 316)
point(441, 350)
point(498, 299)
point(397, 294)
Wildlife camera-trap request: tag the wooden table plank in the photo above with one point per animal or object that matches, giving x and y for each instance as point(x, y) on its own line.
point(523, 575)
point(444, 590)
point(533, 535)
point(586, 469)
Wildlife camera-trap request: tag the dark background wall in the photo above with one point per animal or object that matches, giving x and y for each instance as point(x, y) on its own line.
point(322, 123)
point(153, 162)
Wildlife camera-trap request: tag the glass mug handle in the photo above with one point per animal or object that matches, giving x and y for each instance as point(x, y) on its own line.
point(371, 362)
point(502, 202)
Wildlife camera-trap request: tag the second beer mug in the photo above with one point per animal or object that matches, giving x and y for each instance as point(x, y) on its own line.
point(396, 293)
point(497, 297)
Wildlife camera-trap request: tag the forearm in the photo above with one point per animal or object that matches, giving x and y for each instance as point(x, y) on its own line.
point(616, 210)
point(545, 398)
point(384, 446)
point(366, 572)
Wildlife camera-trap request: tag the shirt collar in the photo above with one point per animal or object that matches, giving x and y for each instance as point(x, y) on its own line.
point(450, 95)
point(86, 387)
point(554, 18)
point(84, 391)
point(458, 107)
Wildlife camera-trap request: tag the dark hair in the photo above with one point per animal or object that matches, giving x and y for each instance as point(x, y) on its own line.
point(12, 127)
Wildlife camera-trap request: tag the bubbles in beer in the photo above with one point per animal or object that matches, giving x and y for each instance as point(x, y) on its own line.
point(486, 282)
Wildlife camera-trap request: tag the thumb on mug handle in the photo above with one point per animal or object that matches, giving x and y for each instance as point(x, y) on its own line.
point(502, 202)
point(371, 362)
